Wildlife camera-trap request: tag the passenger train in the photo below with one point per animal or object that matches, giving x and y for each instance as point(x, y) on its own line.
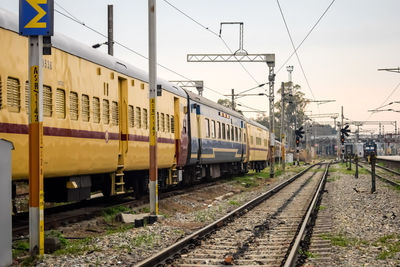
point(96, 123)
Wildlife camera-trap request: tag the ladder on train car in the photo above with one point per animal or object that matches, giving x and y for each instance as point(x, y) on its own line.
point(173, 175)
point(118, 184)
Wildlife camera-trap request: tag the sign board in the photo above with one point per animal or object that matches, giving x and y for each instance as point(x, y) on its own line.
point(36, 17)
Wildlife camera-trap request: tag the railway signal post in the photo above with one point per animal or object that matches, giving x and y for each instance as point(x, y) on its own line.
point(153, 172)
point(373, 161)
point(36, 21)
point(356, 162)
point(299, 134)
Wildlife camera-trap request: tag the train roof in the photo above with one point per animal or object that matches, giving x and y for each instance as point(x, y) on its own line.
point(212, 104)
point(9, 21)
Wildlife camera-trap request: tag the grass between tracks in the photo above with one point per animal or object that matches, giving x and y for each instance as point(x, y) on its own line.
point(388, 245)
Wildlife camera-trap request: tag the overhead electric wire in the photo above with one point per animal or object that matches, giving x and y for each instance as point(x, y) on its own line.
point(307, 35)
point(294, 48)
point(214, 33)
point(73, 18)
point(382, 105)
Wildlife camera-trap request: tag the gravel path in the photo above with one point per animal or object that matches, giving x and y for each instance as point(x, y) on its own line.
point(366, 227)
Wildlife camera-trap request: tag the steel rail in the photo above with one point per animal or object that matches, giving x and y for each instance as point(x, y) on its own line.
point(389, 170)
point(386, 180)
point(291, 260)
point(169, 254)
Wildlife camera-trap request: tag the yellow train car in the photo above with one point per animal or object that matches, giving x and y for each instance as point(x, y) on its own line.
point(95, 111)
point(258, 136)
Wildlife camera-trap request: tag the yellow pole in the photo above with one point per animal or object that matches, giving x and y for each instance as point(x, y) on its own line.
point(36, 201)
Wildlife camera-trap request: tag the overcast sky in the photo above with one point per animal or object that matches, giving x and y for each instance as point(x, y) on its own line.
point(340, 58)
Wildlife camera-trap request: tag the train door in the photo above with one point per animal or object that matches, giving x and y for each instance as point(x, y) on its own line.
point(118, 181)
point(181, 134)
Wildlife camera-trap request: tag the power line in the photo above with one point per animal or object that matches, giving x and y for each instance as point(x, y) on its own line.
point(294, 48)
point(382, 105)
point(214, 33)
point(307, 35)
point(73, 18)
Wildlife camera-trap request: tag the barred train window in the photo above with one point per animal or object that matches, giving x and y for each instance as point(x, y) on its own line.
point(168, 126)
point(13, 95)
point(115, 113)
point(213, 129)
point(228, 132)
point(236, 134)
point(27, 92)
point(162, 122)
point(1, 92)
point(219, 130)
point(73, 106)
point(223, 131)
point(145, 120)
point(85, 108)
point(60, 103)
point(96, 110)
point(258, 141)
point(106, 111)
point(47, 101)
point(172, 124)
point(207, 128)
point(131, 116)
point(138, 117)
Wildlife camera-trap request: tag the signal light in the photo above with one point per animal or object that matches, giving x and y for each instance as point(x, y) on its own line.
point(342, 139)
point(297, 141)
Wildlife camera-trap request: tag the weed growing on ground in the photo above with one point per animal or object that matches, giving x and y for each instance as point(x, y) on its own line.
point(77, 247)
point(19, 248)
point(233, 203)
point(322, 207)
point(308, 254)
point(390, 244)
point(146, 240)
point(110, 213)
point(343, 241)
point(58, 235)
point(119, 229)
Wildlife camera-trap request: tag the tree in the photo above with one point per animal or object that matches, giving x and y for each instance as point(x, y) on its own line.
point(225, 102)
point(295, 105)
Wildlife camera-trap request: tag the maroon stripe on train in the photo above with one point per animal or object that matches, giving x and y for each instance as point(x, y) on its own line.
point(14, 128)
point(63, 132)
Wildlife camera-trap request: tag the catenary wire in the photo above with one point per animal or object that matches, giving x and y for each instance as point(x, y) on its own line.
point(381, 105)
point(294, 48)
point(307, 35)
point(214, 33)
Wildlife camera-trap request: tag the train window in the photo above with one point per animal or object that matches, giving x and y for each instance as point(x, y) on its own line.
point(158, 121)
point(60, 103)
point(27, 90)
point(244, 138)
point(172, 124)
point(207, 125)
point(251, 140)
point(213, 129)
point(13, 95)
point(218, 130)
point(145, 120)
point(96, 109)
point(85, 108)
point(162, 122)
point(240, 135)
point(106, 111)
point(131, 116)
point(232, 133)
point(47, 101)
point(258, 141)
point(142, 86)
point(236, 134)
point(132, 82)
point(114, 113)
point(73, 106)
point(167, 121)
point(138, 117)
point(228, 132)
point(1, 94)
point(223, 131)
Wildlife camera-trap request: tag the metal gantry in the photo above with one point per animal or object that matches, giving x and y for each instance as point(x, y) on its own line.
point(199, 85)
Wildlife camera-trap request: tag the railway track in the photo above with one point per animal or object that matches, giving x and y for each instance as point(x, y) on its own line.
point(266, 233)
point(84, 210)
point(383, 173)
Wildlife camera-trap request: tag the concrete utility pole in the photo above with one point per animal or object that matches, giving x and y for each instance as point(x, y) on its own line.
point(110, 30)
point(153, 172)
point(271, 79)
point(233, 99)
point(282, 124)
